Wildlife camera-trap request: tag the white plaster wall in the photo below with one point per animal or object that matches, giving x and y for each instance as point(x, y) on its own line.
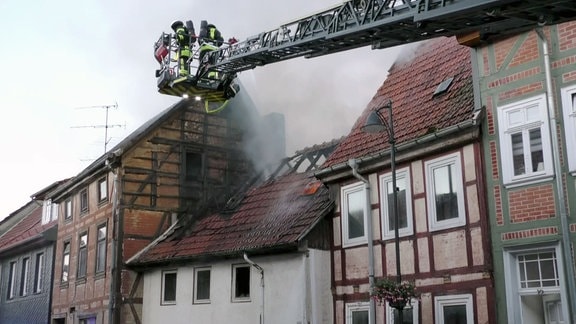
point(297, 291)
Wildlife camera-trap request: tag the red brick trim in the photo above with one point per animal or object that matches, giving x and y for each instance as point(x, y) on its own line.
point(535, 232)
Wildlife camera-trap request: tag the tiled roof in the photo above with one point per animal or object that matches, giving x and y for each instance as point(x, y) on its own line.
point(28, 228)
point(410, 86)
point(273, 215)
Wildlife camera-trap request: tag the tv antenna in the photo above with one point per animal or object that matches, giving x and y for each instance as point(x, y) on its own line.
point(106, 125)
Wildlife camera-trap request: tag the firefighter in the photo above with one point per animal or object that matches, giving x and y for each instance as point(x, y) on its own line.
point(184, 52)
point(210, 40)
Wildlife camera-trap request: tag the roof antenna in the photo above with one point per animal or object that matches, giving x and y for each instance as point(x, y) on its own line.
point(106, 125)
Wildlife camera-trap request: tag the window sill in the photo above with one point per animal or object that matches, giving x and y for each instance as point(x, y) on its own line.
point(241, 300)
point(81, 281)
point(528, 181)
point(349, 244)
point(164, 303)
point(64, 285)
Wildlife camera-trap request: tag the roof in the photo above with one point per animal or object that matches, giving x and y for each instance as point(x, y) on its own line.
point(275, 215)
point(410, 86)
point(27, 229)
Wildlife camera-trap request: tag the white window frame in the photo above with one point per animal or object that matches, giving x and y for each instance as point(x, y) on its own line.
point(569, 114)
point(415, 306)
point(512, 279)
point(163, 301)
point(344, 193)
point(25, 275)
point(356, 307)
point(102, 190)
point(385, 179)
point(506, 129)
point(454, 160)
point(453, 300)
point(38, 273)
point(12, 280)
point(68, 209)
point(49, 211)
point(101, 248)
point(246, 298)
point(195, 292)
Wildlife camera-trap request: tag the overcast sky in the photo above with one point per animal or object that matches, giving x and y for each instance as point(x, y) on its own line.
point(62, 61)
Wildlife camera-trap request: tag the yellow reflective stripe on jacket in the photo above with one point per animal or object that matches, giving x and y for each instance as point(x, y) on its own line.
point(212, 32)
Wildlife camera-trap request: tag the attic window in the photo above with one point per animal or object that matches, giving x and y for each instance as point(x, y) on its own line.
point(443, 87)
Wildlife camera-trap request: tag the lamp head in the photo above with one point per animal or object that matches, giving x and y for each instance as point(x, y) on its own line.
point(374, 123)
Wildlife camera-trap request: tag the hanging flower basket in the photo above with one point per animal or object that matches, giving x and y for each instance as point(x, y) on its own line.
point(397, 295)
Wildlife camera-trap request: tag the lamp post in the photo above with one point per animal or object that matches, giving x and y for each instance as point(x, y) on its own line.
point(376, 123)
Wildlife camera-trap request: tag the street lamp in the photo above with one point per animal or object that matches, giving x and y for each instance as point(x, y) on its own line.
point(377, 123)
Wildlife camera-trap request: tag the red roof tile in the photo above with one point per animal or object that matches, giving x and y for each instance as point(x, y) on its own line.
point(273, 215)
point(28, 228)
point(410, 86)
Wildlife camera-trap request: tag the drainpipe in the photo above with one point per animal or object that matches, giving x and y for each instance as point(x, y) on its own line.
point(568, 259)
point(259, 268)
point(354, 166)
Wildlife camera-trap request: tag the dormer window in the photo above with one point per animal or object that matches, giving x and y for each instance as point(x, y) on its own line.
point(49, 211)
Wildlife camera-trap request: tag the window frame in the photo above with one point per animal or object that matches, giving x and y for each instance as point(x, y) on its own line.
point(12, 272)
point(101, 247)
point(384, 180)
point(356, 307)
point(568, 95)
point(453, 159)
point(82, 268)
point(163, 300)
point(415, 306)
point(66, 248)
point(102, 194)
point(345, 192)
point(234, 295)
point(195, 298)
point(49, 211)
point(38, 274)
point(454, 300)
point(24, 276)
point(505, 133)
point(84, 201)
point(68, 209)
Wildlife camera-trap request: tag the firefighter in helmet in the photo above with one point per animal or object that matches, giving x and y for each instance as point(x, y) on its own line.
point(183, 40)
point(210, 40)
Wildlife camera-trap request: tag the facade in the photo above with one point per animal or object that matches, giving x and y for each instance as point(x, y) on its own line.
point(26, 262)
point(181, 163)
point(528, 86)
point(264, 258)
point(443, 230)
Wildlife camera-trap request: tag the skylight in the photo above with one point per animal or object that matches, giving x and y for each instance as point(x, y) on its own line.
point(443, 87)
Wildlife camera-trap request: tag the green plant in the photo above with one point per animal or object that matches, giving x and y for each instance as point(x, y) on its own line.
point(396, 294)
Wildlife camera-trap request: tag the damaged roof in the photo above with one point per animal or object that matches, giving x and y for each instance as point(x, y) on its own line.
point(275, 215)
point(424, 99)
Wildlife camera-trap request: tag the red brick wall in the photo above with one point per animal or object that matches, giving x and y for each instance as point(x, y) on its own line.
point(531, 204)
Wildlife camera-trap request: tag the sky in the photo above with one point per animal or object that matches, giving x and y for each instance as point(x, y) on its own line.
point(64, 61)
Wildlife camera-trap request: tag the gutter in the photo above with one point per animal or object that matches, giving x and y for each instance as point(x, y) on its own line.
point(561, 202)
point(368, 212)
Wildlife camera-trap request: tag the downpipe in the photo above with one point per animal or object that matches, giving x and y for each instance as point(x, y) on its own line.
point(567, 245)
point(352, 163)
point(259, 268)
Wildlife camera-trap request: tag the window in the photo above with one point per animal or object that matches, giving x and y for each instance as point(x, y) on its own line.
point(534, 289)
point(49, 211)
point(444, 193)
point(12, 280)
point(569, 110)
point(101, 249)
point(357, 313)
point(66, 262)
point(193, 165)
point(24, 276)
point(38, 272)
point(455, 309)
point(410, 314)
point(404, 203)
point(84, 201)
point(102, 190)
point(240, 282)
point(353, 214)
point(201, 285)
point(82, 255)
point(169, 287)
point(524, 140)
point(87, 320)
point(68, 209)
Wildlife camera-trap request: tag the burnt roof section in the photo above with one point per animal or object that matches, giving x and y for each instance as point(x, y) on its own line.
point(410, 86)
point(274, 216)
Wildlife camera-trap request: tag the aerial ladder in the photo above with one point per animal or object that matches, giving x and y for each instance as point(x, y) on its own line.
point(354, 24)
